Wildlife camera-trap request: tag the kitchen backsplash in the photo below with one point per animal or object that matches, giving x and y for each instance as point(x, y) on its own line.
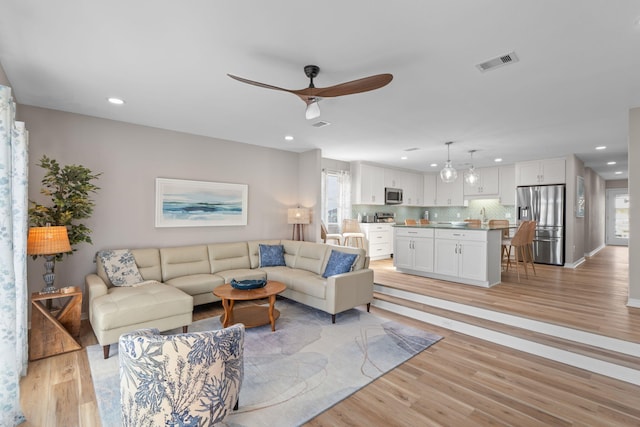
point(493, 210)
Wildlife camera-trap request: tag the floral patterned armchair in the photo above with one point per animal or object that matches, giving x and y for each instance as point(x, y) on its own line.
point(190, 379)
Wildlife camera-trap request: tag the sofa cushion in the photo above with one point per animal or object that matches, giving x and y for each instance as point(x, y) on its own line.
point(285, 275)
point(311, 257)
point(312, 285)
point(130, 306)
point(228, 256)
point(184, 261)
point(271, 255)
point(120, 267)
point(339, 263)
point(148, 262)
point(360, 261)
point(195, 284)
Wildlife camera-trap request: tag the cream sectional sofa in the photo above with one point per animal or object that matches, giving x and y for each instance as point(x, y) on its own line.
point(181, 277)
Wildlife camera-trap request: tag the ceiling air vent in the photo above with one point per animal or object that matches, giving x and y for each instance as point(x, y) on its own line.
point(501, 60)
point(320, 124)
point(412, 149)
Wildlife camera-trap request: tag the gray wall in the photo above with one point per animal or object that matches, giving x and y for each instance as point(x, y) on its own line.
point(131, 157)
point(3, 78)
point(634, 215)
point(595, 211)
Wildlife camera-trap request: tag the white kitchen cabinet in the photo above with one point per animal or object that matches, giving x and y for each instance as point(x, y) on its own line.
point(392, 178)
point(379, 239)
point(461, 253)
point(450, 194)
point(541, 172)
point(429, 190)
point(413, 249)
point(455, 254)
point(412, 187)
point(488, 183)
point(507, 193)
point(367, 185)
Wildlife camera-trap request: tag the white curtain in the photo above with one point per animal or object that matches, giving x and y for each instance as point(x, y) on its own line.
point(13, 273)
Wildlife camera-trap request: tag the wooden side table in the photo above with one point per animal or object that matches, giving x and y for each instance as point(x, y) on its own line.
point(54, 331)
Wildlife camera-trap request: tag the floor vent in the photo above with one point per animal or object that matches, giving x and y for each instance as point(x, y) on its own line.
point(501, 60)
point(320, 124)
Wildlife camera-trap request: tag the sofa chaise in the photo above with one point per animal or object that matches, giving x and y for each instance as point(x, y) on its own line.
point(169, 282)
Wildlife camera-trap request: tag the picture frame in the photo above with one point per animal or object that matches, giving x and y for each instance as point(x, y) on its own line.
point(580, 198)
point(185, 203)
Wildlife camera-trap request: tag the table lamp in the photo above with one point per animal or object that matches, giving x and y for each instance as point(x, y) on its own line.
point(48, 242)
point(298, 217)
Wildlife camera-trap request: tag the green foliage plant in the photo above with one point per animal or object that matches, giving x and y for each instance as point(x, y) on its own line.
point(69, 189)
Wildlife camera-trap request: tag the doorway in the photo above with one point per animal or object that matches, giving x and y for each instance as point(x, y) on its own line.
point(617, 220)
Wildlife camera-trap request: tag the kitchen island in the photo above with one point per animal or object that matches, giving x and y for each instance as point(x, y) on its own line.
point(456, 252)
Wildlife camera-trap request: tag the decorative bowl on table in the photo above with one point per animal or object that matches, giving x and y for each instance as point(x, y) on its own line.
point(246, 285)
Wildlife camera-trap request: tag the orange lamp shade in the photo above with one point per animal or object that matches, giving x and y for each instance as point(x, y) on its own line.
point(48, 240)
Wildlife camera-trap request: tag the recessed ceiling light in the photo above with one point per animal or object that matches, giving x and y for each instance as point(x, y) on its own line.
point(601, 147)
point(618, 173)
point(611, 163)
point(403, 158)
point(116, 101)
point(288, 138)
point(434, 165)
point(497, 160)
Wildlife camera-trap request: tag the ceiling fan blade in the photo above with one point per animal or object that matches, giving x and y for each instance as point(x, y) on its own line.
point(356, 86)
point(264, 85)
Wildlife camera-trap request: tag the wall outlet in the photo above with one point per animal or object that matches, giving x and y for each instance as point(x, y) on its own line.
point(435, 215)
point(457, 214)
point(507, 215)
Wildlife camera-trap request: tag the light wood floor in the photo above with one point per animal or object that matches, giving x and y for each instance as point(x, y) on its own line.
point(461, 381)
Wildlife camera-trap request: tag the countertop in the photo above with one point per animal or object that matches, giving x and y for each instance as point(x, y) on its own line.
point(454, 225)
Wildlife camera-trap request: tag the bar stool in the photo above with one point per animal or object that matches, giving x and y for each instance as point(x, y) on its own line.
point(424, 221)
point(326, 236)
point(505, 233)
point(474, 222)
point(410, 222)
point(351, 233)
point(519, 241)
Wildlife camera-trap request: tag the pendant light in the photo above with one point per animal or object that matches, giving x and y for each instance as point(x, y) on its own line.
point(471, 176)
point(448, 174)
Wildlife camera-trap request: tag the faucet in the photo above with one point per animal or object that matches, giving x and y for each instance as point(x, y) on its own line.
point(483, 215)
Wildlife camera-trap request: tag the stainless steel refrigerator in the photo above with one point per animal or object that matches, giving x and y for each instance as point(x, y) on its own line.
point(544, 204)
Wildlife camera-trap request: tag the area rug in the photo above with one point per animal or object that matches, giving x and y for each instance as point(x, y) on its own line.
point(293, 374)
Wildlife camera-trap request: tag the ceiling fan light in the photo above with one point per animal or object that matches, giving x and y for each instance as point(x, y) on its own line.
point(448, 174)
point(313, 110)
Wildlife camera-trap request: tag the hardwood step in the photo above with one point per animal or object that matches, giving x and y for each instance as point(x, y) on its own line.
point(611, 351)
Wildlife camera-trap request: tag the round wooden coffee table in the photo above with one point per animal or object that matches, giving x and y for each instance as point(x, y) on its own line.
point(251, 315)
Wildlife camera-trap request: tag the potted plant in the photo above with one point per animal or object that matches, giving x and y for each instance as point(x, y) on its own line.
point(69, 188)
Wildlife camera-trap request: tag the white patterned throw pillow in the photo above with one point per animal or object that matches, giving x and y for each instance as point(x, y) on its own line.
point(120, 267)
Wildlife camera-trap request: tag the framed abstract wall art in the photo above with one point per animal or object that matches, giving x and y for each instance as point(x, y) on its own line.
point(184, 203)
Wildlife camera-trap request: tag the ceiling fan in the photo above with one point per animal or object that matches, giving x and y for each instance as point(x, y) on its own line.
point(311, 95)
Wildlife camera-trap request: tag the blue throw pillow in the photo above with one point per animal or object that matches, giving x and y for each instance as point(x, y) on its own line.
point(271, 255)
point(339, 262)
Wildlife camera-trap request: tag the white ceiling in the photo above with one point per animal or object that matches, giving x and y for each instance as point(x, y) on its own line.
point(578, 74)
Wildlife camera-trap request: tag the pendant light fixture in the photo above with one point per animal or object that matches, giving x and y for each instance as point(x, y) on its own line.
point(448, 173)
point(471, 176)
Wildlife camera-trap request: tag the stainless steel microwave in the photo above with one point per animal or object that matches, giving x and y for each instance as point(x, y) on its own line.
point(392, 196)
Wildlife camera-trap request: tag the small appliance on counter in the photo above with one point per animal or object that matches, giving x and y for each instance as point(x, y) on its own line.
point(385, 217)
point(366, 219)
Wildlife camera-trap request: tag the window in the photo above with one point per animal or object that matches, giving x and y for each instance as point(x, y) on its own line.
point(336, 198)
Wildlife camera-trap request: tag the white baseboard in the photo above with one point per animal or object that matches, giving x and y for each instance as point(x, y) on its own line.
point(633, 302)
point(595, 251)
point(575, 263)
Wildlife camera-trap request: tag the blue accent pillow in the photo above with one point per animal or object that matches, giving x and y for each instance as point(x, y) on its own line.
point(339, 262)
point(271, 255)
